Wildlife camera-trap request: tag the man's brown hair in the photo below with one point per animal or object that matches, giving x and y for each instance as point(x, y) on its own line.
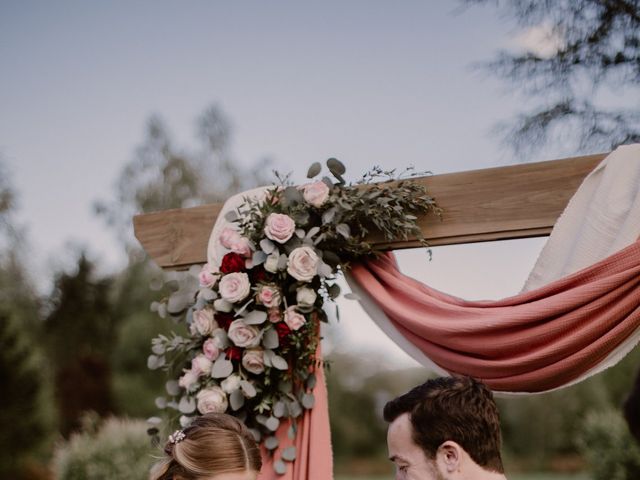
point(459, 409)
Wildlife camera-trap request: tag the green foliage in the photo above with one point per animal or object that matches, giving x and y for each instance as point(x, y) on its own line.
point(592, 48)
point(80, 331)
point(118, 450)
point(25, 403)
point(608, 446)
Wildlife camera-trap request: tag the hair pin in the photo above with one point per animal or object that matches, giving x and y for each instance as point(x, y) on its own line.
point(177, 437)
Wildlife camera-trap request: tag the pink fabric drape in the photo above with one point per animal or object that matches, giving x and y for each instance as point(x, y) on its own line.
point(531, 342)
point(314, 459)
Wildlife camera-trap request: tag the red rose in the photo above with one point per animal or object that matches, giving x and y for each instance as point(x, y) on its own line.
point(283, 330)
point(234, 353)
point(232, 262)
point(224, 319)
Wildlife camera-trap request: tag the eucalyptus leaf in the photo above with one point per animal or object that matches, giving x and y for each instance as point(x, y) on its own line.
point(255, 317)
point(295, 410)
point(267, 355)
point(154, 420)
point(272, 423)
point(158, 349)
point(185, 421)
point(279, 409)
point(308, 401)
point(154, 362)
point(352, 296)
point(285, 386)
point(312, 232)
point(293, 195)
point(222, 368)
point(248, 389)
point(279, 467)
point(187, 405)
point(336, 166)
point(289, 454)
point(161, 403)
point(324, 270)
point(236, 400)
point(329, 215)
point(333, 290)
point(207, 294)
point(282, 261)
point(280, 363)
point(267, 246)
point(162, 310)
point(261, 419)
point(172, 387)
point(221, 305)
point(344, 230)
point(311, 381)
point(314, 170)
point(178, 303)
point(299, 233)
point(270, 339)
point(231, 216)
point(271, 443)
point(259, 257)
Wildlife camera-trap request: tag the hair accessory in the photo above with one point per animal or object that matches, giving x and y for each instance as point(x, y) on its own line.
point(177, 437)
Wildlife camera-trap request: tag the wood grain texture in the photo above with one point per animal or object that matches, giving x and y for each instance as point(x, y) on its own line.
point(516, 201)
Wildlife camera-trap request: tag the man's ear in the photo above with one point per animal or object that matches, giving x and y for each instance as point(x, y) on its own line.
point(449, 456)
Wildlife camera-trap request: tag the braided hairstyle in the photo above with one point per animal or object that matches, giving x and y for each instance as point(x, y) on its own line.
point(214, 443)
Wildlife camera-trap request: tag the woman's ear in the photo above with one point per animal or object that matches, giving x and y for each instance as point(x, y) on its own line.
point(449, 456)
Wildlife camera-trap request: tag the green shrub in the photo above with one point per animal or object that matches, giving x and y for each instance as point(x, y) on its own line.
point(117, 450)
point(608, 446)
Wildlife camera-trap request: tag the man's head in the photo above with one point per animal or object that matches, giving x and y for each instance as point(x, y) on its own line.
point(446, 428)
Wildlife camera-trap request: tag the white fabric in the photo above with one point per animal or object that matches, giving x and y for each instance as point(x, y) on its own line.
point(215, 250)
point(601, 218)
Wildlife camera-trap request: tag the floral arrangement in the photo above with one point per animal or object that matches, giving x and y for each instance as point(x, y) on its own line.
point(254, 322)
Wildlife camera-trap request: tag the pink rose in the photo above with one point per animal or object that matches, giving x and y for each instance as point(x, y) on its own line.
point(228, 236)
point(240, 246)
point(316, 193)
point(203, 322)
point(243, 335)
point(212, 399)
point(201, 365)
point(211, 348)
point(303, 264)
point(275, 315)
point(293, 319)
point(207, 276)
point(279, 227)
point(234, 287)
point(253, 360)
point(269, 296)
point(188, 379)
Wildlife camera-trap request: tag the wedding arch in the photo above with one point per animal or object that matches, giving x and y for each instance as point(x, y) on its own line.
point(564, 326)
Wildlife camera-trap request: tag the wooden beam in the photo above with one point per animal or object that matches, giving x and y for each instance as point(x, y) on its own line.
point(516, 201)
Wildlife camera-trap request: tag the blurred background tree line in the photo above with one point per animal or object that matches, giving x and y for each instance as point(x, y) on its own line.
point(73, 357)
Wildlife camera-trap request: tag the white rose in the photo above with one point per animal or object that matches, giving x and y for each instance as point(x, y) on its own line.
point(201, 365)
point(303, 264)
point(188, 379)
point(279, 227)
point(212, 400)
point(306, 297)
point(234, 287)
point(228, 237)
point(269, 296)
point(211, 348)
point(241, 246)
point(316, 193)
point(203, 322)
point(231, 383)
point(253, 360)
point(271, 263)
point(293, 319)
point(243, 335)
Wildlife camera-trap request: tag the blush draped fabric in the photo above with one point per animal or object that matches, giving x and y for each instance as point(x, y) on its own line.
point(532, 342)
point(314, 459)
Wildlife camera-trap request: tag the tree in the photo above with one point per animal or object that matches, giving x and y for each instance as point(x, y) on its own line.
point(584, 53)
point(80, 332)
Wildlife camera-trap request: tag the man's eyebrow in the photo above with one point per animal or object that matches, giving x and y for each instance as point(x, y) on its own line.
point(393, 458)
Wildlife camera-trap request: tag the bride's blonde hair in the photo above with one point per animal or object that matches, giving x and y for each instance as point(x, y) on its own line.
point(214, 443)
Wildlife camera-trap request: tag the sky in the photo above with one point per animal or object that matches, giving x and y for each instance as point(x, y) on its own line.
point(369, 82)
